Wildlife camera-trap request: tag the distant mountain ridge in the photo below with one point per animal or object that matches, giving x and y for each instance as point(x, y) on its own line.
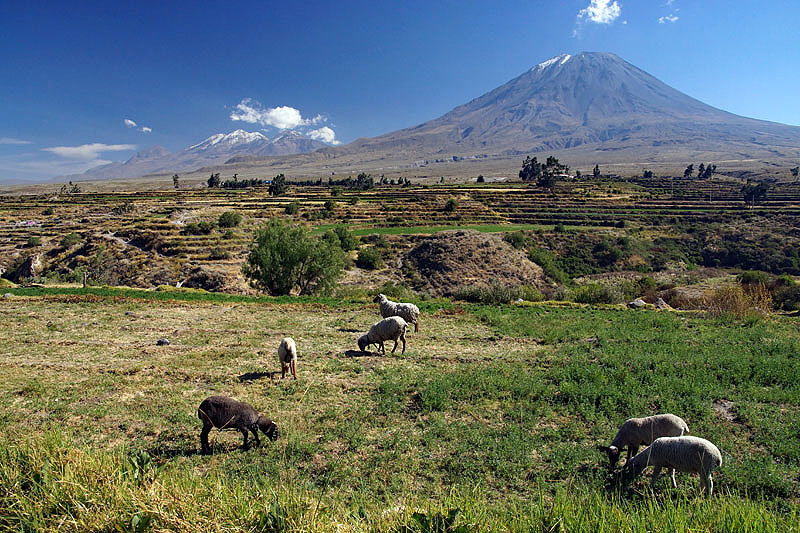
point(215, 150)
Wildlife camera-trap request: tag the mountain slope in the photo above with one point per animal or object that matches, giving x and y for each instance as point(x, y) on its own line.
point(214, 150)
point(568, 101)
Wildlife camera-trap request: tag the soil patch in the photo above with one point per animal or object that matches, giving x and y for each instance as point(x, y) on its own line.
point(452, 259)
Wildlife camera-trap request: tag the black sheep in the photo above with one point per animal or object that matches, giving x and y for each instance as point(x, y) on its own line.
point(222, 412)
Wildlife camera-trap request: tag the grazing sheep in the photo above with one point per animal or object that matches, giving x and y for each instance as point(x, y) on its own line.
point(686, 454)
point(222, 412)
point(392, 328)
point(287, 355)
point(637, 432)
point(408, 312)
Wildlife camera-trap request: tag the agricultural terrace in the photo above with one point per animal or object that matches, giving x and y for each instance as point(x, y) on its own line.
point(151, 238)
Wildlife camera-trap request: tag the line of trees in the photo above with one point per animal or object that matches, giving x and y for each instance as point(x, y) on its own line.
point(544, 174)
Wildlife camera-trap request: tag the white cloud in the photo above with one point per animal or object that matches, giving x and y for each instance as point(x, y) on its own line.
point(132, 124)
point(668, 18)
point(324, 134)
point(128, 122)
point(282, 117)
point(87, 152)
point(11, 140)
point(145, 129)
point(601, 11)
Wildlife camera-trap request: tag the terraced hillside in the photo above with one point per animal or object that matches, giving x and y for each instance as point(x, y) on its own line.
point(151, 238)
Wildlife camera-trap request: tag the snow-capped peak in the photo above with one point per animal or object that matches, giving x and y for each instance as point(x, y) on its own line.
point(560, 59)
point(231, 139)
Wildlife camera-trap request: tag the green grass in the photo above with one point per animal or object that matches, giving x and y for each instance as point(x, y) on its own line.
point(493, 411)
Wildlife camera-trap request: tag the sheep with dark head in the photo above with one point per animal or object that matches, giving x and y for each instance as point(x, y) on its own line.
point(222, 412)
point(636, 432)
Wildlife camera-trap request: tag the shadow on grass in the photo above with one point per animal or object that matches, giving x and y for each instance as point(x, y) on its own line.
point(358, 353)
point(254, 376)
point(350, 330)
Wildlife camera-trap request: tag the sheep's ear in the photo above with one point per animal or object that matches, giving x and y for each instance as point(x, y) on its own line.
point(613, 449)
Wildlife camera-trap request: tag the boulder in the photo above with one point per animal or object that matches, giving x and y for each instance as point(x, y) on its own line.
point(661, 304)
point(638, 303)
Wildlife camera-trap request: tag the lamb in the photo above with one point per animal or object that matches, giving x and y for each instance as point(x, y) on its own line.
point(287, 355)
point(636, 432)
point(687, 454)
point(406, 311)
point(392, 328)
point(226, 413)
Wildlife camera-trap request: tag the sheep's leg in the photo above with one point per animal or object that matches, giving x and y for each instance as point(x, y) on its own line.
point(245, 445)
point(382, 348)
point(205, 449)
point(656, 472)
point(709, 485)
point(674, 483)
point(255, 436)
point(633, 449)
point(283, 371)
point(394, 347)
point(416, 326)
point(403, 338)
point(294, 368)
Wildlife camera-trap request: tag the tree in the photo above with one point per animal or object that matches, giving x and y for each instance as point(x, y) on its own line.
point(175, 183)
point(531, 169)
point(688, 172)
point(701, 171)
point(480, 179)
point(647, 174)
point(795, 171)
point(285, 258)
point(754, 192)
point(451, 205)
point(229, 219)
point(596, 172)
point(278, 185)
point(545, 174)
point(213, 181)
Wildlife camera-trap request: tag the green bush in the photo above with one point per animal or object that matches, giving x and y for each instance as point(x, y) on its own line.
point(229, 219)
point(546, 260)
point(198, 228)
point(47, 211)
point(347, 241)
point(451, 205)
point(497, 293)
point(329, 206)
point(787, 298)
point(33, 241)
point(285, 257)
point(218, 253)
point(292, 208)
point(369, 258)
point(516, 239)
point(560, 228)
point(596, 293)
point(71, 239)
point(749, 277)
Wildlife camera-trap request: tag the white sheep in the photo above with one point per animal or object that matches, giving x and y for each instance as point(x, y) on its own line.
point(287, 355)
point(392, 328)
point(636, 432)
point(686, 454)
point(406, 311)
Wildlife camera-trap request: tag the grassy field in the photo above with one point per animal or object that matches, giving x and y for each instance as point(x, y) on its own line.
point(489, 419)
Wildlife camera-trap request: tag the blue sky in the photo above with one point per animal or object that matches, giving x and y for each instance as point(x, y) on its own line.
point(74, 72)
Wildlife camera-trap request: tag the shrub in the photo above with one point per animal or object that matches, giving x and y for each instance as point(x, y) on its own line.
point(369, 258)
point(292, 208)
point(48, 211)
point(560, 228)
point(70, 239)
point(749, 277)
point(787, 298)
point(451, 205)
point(329, 206)
point(545, 259)
point(346, 239)
point(515, 239)
point(218, 252)
point(228, 235)
point(596, 293)
point(33, 241)
point(285, 257)
point(497, 293)
point(198, 228)
point(229, 219)
point(734, 301)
